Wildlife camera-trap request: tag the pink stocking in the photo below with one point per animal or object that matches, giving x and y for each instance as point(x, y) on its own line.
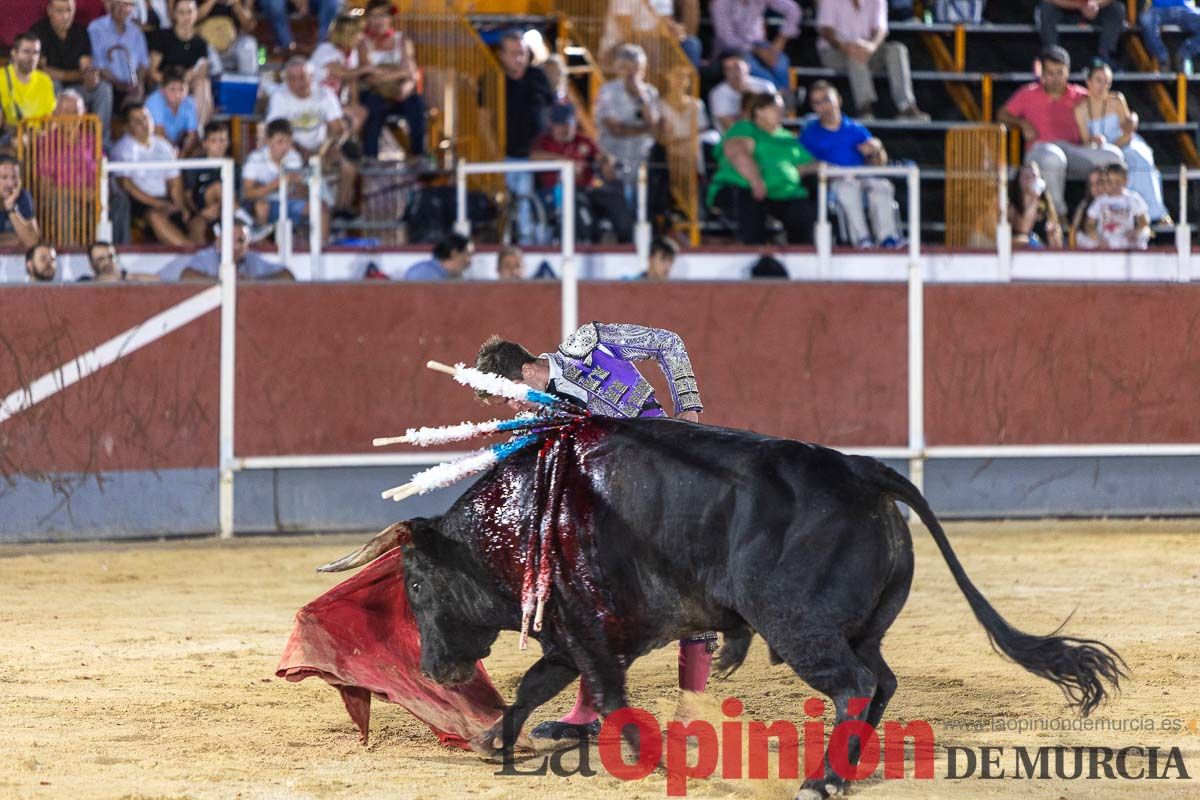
point(694, 662)
point(582, 713)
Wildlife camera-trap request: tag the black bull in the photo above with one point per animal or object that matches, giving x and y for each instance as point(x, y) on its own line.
point(672, 528)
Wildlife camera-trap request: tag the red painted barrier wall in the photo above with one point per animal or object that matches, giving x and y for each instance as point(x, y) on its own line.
point(325, 368)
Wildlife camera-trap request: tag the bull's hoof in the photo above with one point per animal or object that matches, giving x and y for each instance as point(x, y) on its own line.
point(822, 788)
point(489, 744)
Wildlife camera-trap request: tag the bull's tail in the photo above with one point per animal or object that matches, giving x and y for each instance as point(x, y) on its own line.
point(1080, 667)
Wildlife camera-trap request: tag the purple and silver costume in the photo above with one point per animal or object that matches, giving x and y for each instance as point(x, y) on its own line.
point(595, 366)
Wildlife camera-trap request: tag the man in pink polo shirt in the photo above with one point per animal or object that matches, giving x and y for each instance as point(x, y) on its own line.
point(1045, 112)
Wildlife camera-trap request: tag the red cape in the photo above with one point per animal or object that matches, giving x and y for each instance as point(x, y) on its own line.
point(360, 638)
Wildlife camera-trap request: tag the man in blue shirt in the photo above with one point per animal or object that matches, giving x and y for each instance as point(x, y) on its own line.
point(835, 139)
point(119, 51)
point(451, 257)
point(206, 264)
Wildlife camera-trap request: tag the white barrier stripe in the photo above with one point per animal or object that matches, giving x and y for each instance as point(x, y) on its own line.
point(115, 348)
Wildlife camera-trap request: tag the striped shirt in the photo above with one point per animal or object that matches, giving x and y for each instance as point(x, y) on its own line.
point(740, 24)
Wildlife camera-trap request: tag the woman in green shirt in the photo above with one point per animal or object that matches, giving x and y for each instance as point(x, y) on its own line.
point(759, 167)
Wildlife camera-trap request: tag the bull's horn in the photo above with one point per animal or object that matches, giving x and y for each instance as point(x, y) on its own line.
point(389, 538)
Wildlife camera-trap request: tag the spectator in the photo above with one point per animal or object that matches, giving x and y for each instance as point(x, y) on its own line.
point(18, 223)
point(769, 267)
point(1182, 13)
point(555, 68)
point(759, 167)
point(683, 29)
point(25, 91)
point(1031, 215)
point(106, 268)
point(684, 117)
point(629, 115)
point(40, 262)
point(853, 35)
point(337, 65)
point(1107, 15)
point(102, 258)
point(451, 258)
point(835, 139)
point(318, 126)
point(119, 51)
point(174, 112)
point(1095, 188)
point(67, 59)
point(739, 25)
point(725, 100)
point(277, 13)
point(265, 168)
point(1045, 112)
point(181, 46)
point(203, 186)
point(1118, 219)
point(597, 197)
point(1104, 118)
point(206, 264)
point(155, 195)
point(391, 86)
point(527, 99)
point(663, 251)
point(228, 27)
point(70, 104)
point(510, 264)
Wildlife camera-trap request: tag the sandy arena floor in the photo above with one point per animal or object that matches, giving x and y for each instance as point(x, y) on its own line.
point(146, 671)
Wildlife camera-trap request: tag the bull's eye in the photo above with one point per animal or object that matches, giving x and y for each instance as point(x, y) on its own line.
point(416, 588)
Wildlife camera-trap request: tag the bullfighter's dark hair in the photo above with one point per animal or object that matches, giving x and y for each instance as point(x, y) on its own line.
point(502, 357)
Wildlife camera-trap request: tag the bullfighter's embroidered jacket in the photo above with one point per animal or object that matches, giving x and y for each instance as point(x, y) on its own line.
point(595, 366)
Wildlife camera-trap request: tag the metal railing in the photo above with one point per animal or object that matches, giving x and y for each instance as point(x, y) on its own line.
point(61, 159)
point(916, 294)
point(1183, 229)
point(283, 224)
point(227, 276)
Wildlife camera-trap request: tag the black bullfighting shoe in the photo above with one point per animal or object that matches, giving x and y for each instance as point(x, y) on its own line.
point(555, 730)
